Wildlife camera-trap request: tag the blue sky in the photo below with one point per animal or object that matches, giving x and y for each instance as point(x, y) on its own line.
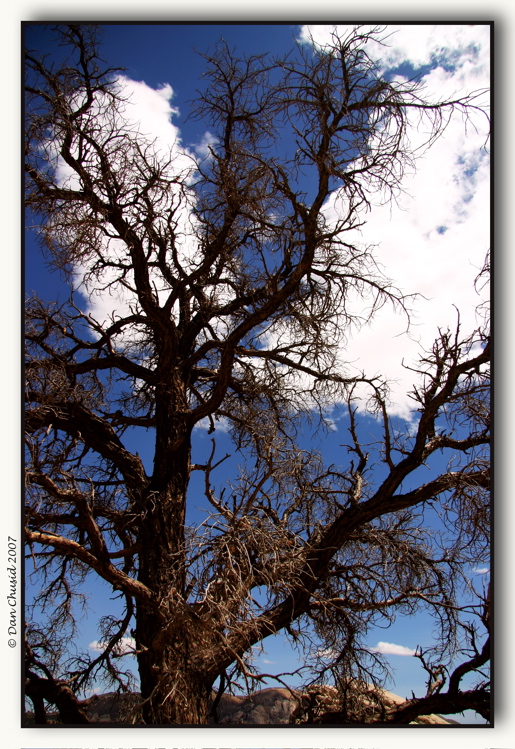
point(443, 214)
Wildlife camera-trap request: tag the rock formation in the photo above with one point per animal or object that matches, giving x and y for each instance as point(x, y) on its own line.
point(272, 706)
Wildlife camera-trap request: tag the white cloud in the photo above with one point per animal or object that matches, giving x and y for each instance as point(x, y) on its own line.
point(203, 149)
point(389, 648)
point(331, 424)
point(481, 570)
point(126, 646)
point(434, 240)
point(151, 111)
point(220, 424)
point(326, 653)
point(456, 45)
point(147, 114)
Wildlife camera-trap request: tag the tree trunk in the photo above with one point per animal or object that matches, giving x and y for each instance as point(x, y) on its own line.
point(174, 689)
point(171, 662)
point(161, 525)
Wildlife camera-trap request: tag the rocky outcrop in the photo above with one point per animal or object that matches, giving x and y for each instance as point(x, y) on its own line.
point(273, 706)
point(266, 707)
point(114, 708)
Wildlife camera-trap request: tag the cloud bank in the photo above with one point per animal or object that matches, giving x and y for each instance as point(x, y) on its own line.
point(434, 240)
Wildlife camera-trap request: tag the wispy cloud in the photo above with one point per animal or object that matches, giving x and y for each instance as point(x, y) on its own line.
point(204, 148)
point(220, 424)
point(389, 648)
point(481, 570)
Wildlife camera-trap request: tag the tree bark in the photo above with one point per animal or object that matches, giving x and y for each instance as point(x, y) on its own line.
point(174, 686)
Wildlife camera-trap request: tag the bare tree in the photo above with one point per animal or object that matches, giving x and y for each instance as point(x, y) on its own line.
point(234, 297)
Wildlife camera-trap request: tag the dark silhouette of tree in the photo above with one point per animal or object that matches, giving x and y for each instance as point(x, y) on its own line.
point(235, 305)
